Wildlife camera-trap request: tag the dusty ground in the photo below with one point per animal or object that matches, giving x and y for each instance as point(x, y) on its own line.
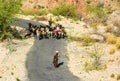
point(12, 59)
point(78, 55)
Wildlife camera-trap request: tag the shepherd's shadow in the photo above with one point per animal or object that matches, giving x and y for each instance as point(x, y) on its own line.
point(60, 64)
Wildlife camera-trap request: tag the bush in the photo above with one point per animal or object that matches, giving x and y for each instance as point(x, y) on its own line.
point(108, 29)
point(110, 60)
point(94, 26)
point(87, 40)
point(118, 77)
point(114, 19)
point(17, 79)
point(88, 1)
point(8, 10)
point(66, 10)
point(96, 54)
point(12, 73)
point(5, 35)
point(112, 51)
point(73, 38)
point(118, 43)
point(94, 64)
point(97, 10)
point(104, 67)
point(15, 33)
point(118, 3)
point(35, 12)
point(112, 75)
point(87, 66)
point(58, 18)
point(111, 39)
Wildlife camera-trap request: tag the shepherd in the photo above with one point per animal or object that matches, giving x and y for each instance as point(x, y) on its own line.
point(50, 19)
point(55, 59)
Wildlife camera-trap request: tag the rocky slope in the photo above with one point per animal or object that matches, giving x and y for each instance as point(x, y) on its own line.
point(81, 4)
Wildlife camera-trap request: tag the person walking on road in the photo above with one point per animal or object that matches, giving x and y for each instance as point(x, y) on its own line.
point(55, 59)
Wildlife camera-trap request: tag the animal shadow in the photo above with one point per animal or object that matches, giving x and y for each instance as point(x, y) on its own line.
point(61, 63)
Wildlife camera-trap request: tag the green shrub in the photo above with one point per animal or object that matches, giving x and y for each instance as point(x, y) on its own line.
point(97, 10)
point(104, 67)
point(5, 35)
point(94, 26)
point(15, 33)
point(17, 79)
point(88, 1)
point(87, 40)
point(112, 51)
point(66, 10)
point(108, 29)
point(73, 38)
point(8, 10)
point(96, 54)
point(12, 73)
point(76, 1)
point(112, 75)
point(118, 77)
point(118, 43)
point(118, 3)
point(87, 66)
point(35, 12)
point(110, 60)
point(111, 38)
point(58, 18)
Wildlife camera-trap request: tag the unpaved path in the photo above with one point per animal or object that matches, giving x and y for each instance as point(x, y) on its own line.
point(39, 61)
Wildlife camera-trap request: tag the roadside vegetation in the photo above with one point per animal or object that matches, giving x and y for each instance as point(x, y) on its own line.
point(12, 7)
point(35, 12)
point(65, 10)
point(8, 9)
point(85, 39)
point(93, 62)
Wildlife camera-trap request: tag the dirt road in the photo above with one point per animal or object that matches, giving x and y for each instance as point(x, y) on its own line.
point(39, 61)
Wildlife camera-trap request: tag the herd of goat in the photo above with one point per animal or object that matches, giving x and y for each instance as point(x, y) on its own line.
point(46, 31)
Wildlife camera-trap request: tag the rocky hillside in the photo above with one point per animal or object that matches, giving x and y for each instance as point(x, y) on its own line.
point(81, 4)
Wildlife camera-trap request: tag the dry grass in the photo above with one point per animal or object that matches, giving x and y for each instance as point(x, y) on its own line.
point(112, 75)
point(112, 51)
point(111, 38)
point(85, 39)
point(35, 12)
point(118, 43)
point(118, 77)
point(104, 67)
point(108, 29)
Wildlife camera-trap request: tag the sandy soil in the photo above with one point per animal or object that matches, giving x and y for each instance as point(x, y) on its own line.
point(12, 59)
point(78, 55)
